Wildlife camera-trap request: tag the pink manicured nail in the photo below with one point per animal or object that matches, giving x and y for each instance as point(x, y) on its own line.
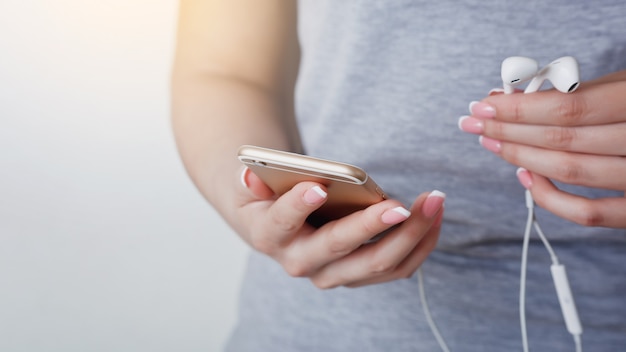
point(314, 195)
point(524, 177)
point(470, 125)
point(433, 203)
point(496, 91)
point(243, 177)
point(490, 144)
point(482, 110)
point(395, 215)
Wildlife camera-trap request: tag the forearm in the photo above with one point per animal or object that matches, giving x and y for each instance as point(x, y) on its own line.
point(213, 115)
point(232, 83)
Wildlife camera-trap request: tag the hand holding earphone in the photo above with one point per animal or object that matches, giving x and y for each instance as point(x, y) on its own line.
point(577, 138)
point(565, 77)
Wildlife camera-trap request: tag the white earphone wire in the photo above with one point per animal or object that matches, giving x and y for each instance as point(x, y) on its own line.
point(560, 278)
point(426, 309)
point(576, 330)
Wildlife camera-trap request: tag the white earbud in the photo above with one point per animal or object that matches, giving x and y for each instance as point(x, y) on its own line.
point(563, 73)
point(517, 70)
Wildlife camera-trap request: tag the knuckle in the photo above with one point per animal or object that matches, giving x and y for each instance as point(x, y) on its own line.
point(283, 223)
point(295, 267)
point(589, 216)
point(570, 111)
point(497, 129)
point(511, 154)
point(370, 224)
point(517, 111)
point(569, 172)
point(324, 284)
point(584, 214)
point(405, 274)
point(559, 137)
point(338, 244)
point(381, 266)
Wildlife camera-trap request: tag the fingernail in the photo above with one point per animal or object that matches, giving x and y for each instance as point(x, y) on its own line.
point(496, 91)
point(490, 144)
point(482, 110)
point(471, 125)
point(433, 203)
point(243, 177)
point(314, 195)
point(471, 105)
point(524, 177)
point(395, 215)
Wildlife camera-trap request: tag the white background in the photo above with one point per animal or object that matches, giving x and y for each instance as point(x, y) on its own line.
point(105, 245)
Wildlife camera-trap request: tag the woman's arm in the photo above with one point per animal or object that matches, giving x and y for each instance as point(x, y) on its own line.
point(232, 83)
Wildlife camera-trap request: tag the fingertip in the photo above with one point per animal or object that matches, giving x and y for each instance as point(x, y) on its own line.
point(437, 193)
point(243, 177)
point(482, 110)
point(395, 215)
point(471, 105)
point(496, 91)
point(314, 195)
point(524, 177)
point(471, 125)
point(433, 203)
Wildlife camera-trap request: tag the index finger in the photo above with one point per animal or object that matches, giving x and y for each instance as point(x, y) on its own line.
point(290, 211)
point(592, 104)
point(284, 219)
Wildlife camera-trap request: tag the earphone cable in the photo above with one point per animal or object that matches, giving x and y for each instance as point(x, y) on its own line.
point(578, 342)
point(426, 309)
point(522, 286)
point(544, 239)
point(576, 329)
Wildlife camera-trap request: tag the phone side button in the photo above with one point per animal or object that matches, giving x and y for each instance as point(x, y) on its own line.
point(381, 193)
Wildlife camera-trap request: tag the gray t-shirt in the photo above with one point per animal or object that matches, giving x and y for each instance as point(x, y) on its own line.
point(382, 85)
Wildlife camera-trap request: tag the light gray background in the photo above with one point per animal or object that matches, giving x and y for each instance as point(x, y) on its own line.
point(104, 243)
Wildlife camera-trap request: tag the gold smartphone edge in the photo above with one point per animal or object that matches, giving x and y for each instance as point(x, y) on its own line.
point(293, 162)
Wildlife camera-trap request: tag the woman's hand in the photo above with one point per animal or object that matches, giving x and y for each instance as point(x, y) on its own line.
point(335, 254)
point(577, 138)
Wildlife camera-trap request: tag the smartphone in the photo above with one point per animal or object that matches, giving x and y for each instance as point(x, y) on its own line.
point(349, 187)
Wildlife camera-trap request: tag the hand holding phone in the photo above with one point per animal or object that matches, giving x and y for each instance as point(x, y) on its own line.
point(349, 187)
point(340, 252)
